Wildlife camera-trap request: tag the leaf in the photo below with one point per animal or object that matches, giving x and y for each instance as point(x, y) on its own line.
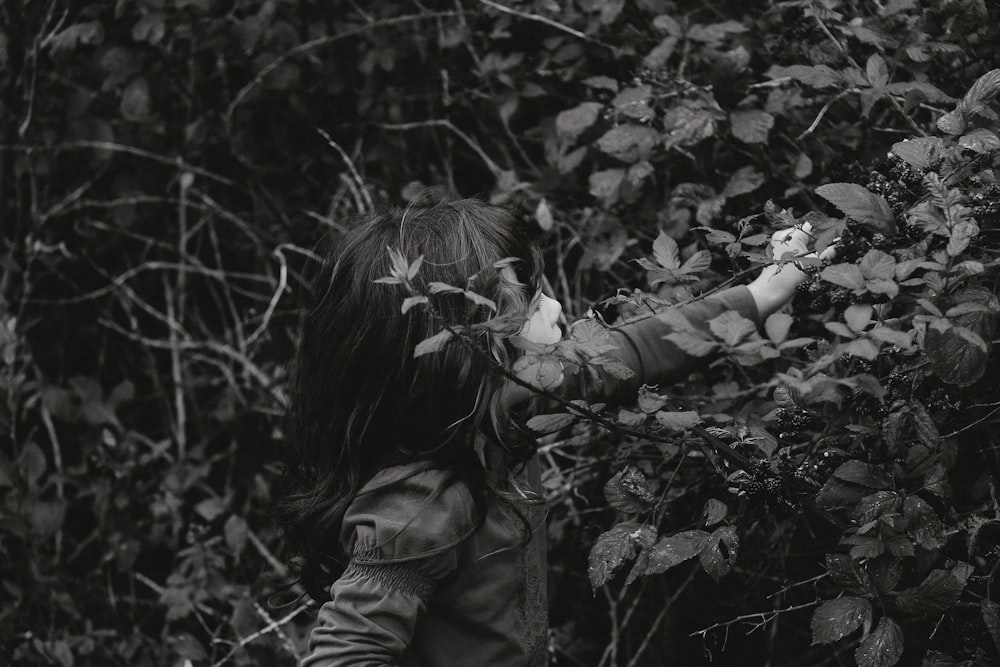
point(210, 508)
point(873, 506)
point(649, 401)
point(835, 619)
point(66, 41)
point(660, 54)
point(877, 71)
point(861, 204)
point(613, 548)
point(719, 553)
point(551, 423)
point(714, 512)
point(751, 127)
point(434, 344)
point(819, 76)
point(542, 371)
point(628, 491)
point(857, 472)
point(634, 103)
point(606, 184)
point(678, 421)
point(858, 316)
point(665, 251)
point(777, 327)
point(411, 301)
point(937, 593)
point(958, 355)
point(922, 152)
point(31, 464)
point(136, 102)
point(731, 327)
point(878, 265)
point(836, 493)
point(675, 549)
point(572, 122)
point(629, 142)
point(991, 617)
point(235, 531)
point(980, 140)
point(744, 180)
point(844, 275)
point(543, 215)
point(883, 647)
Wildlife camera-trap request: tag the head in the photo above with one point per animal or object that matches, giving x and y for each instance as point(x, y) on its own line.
point(361, 401)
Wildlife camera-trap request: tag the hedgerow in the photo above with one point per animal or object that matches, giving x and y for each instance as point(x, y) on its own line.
point(170, 166)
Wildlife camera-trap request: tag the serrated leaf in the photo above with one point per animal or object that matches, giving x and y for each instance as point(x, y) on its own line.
point(777, 327)
point(958, 355)
point(551, 423)
point(858, 472)
point(819, 76)
point(877, 71)
point(614, 547)
point(719, 553)
point(874, 505)
point(922, 152)
point(713, 512)
point(858, 316)
point(844, 275)
point(633, 102)
point(675, 549)
point(629, 142)
point(678, 421)
point(628, 491)
point(835, 619)
point(572, 122)
point(666, 252)
point(732, 328)
point(837, 493)
point(433, 344)
point(937, 593)
point(861, 204)
point(606, 184)
point(542, 371)
point(751, 127)
point(883, 647)
point(980, 140)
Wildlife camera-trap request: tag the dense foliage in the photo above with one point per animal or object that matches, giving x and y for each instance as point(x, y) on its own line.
point(168, 167)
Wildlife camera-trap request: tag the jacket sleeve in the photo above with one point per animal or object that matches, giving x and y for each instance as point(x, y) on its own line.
point(641, 346)
point(403, 539)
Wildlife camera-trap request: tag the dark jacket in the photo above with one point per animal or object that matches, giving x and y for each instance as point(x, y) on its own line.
point(428, 585)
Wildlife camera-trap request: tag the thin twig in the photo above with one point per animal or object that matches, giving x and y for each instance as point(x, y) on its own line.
point(362, 189)
point(494, 168)
point(270, 627)
point(279, 290)
point(549, 22)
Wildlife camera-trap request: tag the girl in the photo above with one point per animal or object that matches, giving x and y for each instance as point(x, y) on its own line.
point(413, 496)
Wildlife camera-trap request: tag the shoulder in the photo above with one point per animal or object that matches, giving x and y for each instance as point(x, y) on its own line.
point(409, 512)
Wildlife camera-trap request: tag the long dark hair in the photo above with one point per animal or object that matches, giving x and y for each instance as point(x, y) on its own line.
point(362, 402)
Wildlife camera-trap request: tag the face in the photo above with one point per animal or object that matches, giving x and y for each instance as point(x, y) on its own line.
point(542, 326)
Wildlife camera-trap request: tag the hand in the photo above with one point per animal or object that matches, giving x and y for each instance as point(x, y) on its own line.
point(776, 283)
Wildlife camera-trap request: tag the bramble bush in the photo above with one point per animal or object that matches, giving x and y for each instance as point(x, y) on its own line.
point(169, 166)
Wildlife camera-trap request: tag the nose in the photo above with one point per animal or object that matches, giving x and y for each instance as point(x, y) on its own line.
point(554, 307)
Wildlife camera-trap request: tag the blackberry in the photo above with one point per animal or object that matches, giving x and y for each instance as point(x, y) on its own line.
point(842, 297)
point(794, 420)
point(880, 241)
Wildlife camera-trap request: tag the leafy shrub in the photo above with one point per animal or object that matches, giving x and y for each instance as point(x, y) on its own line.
point(169, 165)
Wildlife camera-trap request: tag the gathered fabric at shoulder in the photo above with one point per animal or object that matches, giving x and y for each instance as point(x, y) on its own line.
point(406, 513)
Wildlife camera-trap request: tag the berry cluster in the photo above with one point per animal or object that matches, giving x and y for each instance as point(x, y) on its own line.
point(899, 182)
point(793, 420)
point(985, 205)
point(762, 484)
